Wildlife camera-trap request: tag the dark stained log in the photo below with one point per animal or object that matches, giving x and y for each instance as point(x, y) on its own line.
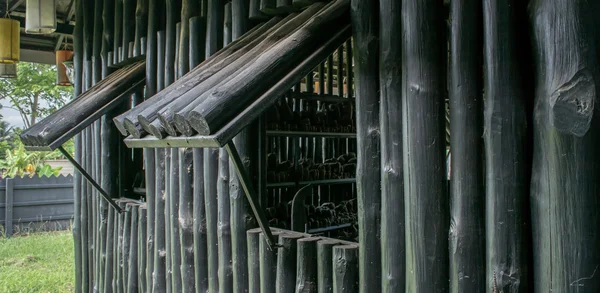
point(227, 24)
point(159, 271)
point(286, 262)
point(145, 110)
point(214, 28)
point(200, 249)
point(189, 9)
point(118, 250)
point(167, 216)
point(467, 209)
point(268, 264)
point(197, 40)
point(118, 31)
point(425, 183)
point(177, 43)
point(505, 136)
point(368, 174)
point(173, 14)
point(174, 221)
point(307, 266)
point(284, 6)
point(228, 100)
point(128, 32)
point(254, 13)
point(392, 186)
point(125, 247)
point(349, 58)
point(253, 240)
point(303, 3)
point(211, 175)
point(77, 226)
point(97, 43)
point(142, 248)
point(223, 225)
point(268, 7)
point(565, 185)
point(325, 266)
point(151, 47)
point(132, 260)
point(345, 267)
point(109, 264)
point(186, 219)
point(141, 26)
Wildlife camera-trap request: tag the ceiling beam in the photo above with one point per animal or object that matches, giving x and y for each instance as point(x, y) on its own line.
point(15, 4)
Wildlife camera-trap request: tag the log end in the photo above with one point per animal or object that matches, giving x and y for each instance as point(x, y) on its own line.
point(120, 126)
point(182, 125)
point(134, 129)
point(198, 123)
point(156, 129)
point(572, 104)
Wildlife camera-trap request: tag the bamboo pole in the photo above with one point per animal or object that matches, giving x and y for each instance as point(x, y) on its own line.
point(346, 263)
point(200, 229)
point(467, 230)
point(286, 263)
point(505, 124)
point(211, 169)
point(132, 260)
point(368, 176)
point(325, 267)
point(186, 219)
point(307, 266)
point(225, 268)
point(565, 162)
point(425, 183)
point(253, 240)
point(392, 185)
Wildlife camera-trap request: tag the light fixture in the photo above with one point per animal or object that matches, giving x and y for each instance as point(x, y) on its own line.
point(62, 77)
point(9, 39)
point(40, 16)
point(8, 70)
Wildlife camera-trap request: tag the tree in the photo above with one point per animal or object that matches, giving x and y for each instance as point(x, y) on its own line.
point(34, 92)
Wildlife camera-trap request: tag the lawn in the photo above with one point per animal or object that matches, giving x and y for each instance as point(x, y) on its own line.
point(38, 262)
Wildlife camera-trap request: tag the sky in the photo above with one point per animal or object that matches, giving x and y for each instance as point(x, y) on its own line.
point(11, 116)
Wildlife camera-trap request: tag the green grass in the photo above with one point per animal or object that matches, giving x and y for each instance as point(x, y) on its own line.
point(38, 262)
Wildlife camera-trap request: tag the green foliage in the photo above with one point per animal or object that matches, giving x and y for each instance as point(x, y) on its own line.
point(20, 162)
point(34, 93)
point(39, 262)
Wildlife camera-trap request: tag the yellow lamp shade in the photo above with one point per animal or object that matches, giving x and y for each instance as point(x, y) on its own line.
point(40, 16)
point(9, 41)
point(62, 77)
point(8, 70)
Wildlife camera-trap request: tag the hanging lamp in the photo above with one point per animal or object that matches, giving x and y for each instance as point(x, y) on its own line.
point(8, 70)
point(40, 16)
point(62, 57)
point(9, 39)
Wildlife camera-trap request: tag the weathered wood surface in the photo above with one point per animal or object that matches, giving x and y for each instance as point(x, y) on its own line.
point(506, 151)
point(224, 226)
point(141, 27)
point(197, 40)
point(200, 229)
point(467, 201)
point(286, 262)
point(189, 9)
point(186, 219)
point(211, 173)
point(159, 270)
point(307, 266)
point(132, 259)
point(365, 33)
point(325, 273)
point(346, 268)
point(425, 183)
point(142, 250)
point(565, 186)
point(228, 100)
point(174, 221)
point(253, 241)
point(268, 264)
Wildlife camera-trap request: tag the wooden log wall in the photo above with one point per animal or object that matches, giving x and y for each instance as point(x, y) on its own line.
point(369, 133)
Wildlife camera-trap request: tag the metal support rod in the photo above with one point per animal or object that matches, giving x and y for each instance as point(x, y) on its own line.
point(250, 193)
point(91, 180)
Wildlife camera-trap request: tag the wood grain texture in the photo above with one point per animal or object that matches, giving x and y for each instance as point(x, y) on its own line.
point(186, 219)
point(200, 237)
point(346, 269)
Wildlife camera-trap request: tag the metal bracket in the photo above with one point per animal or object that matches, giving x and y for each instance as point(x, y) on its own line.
point(250, 194)
point(91, 180)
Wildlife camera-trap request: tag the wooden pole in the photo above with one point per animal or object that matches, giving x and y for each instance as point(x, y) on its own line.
point(505, 136)
point(425, 181)
point(211, 167)
point(346, 271)
point(268, 7)
point(253, 241)
point(141, 26)
point(268, 265)
point(197, 40)
point(325, 266)
point(128, 26)
point(307, 266)
point(227, 24)
point(286, 263)
point(392, 185)
point(467, 230)
point(118, 28)
point(200, 229)
point(225, 269)
point(109, 264)
point(174, 221)
point(186, 219)
point(159, 271)
point(77, 178)
point(142, 251)
point(189, 9)
point(168, 227)
point(254, 13)
point(132, 260)
point(214, 29)
point(368, 176)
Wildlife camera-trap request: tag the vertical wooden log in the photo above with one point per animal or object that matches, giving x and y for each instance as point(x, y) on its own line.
point(132, 260)
point(177, 43)
point(77, 178)
point(254, 13)
point(174, 221)
point(170, 44)
point(200, 249)
point(128, 26)
point(565, 186)
point(119, 260)
point(253, 236)
point(345, 262)
point(125, 251)
point(97, 42)
point(225, 269)
point(505, 124)
point(368, 177)
point(392, 185)
point(227, 24)
point(189, 9)
point(159, 271)
point(284, 6)
point(307, 266)
point(425, 183)
point(186, 219)
point(141, 26)
point(197, 40)
point(467, 232)
point(286, 263)
point(150, 173)
point(109, 265)
point(142, 250)
point(151, 50)
point(268, 265)
point(211, 167)
point(214, 29)
point(268, 7)
point(325, 267)
point(118, 28)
